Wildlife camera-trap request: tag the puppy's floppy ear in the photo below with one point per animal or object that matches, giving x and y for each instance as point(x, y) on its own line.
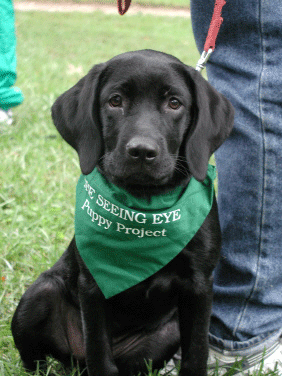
point(212, 124)
point(76, 116)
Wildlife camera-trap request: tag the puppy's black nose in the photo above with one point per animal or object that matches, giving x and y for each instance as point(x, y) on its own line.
point(142, 149)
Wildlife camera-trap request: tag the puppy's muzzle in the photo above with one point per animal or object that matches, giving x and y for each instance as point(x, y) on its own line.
point(142, 149)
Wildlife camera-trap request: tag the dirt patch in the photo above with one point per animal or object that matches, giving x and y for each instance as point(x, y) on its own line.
point(107, 9)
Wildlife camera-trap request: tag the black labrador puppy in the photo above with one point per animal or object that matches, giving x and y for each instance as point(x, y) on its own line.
point(149, 123)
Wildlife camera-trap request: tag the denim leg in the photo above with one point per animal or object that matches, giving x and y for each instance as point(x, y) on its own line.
point(246, 67)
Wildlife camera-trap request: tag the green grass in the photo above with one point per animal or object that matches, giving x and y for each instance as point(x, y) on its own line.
point(38, 171)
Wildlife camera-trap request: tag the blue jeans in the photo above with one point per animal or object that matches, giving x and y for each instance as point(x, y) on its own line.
point(246, 67)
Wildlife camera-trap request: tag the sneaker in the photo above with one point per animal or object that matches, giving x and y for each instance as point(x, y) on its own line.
point(6, 117)
point(169, 369)
point(269, 360)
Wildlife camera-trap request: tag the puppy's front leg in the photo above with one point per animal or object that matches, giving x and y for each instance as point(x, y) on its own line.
point(194, 319)
point(96, 328)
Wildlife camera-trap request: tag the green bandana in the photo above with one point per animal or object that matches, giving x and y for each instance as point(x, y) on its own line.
point(123, 239)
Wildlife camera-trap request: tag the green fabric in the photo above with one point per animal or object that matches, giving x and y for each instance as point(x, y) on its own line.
point(9, 96)
point(123, 240)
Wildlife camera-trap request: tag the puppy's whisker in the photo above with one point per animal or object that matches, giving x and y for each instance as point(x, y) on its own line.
point(181, 165)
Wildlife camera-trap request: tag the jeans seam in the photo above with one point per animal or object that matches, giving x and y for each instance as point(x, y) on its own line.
point(227, 346)
point(262, 49)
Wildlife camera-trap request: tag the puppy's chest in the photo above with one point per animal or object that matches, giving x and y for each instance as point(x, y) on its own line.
point(153, 299)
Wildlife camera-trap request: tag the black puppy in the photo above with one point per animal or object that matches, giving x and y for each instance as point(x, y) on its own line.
point(149, 123)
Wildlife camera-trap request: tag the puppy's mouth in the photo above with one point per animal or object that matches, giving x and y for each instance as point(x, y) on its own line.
point(152, 178)
point(137, 179)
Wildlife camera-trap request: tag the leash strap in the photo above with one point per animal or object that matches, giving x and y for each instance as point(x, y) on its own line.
point(212, 34)
point(123, 6)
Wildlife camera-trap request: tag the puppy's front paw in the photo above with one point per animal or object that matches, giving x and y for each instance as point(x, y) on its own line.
point(187, 372)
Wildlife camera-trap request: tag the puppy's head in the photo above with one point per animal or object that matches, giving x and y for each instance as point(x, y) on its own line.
point(145, 119)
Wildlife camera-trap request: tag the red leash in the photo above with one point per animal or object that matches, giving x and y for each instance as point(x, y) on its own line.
point(212, 34)
point(215, 24)
point(123, 6)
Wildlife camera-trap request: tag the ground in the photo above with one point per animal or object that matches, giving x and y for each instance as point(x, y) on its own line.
point(89, 8)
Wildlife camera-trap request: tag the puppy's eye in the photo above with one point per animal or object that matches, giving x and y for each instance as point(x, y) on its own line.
point(174, 103)
point(116, 101)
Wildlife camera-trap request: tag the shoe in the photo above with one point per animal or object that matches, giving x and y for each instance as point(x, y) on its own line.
point(6, 117)
point(169, 369)
point(269, 360)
